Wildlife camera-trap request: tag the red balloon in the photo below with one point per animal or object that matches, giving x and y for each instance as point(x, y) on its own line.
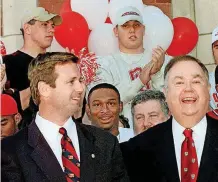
point(65, 7)
point(185, 37)
point(73, 32)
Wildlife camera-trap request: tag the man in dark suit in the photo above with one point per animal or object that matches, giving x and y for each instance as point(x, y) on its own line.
point(184, 148)
point(53, 147)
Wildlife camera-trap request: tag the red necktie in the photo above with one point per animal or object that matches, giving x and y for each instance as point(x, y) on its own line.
point(189, 160)
point(69, 158)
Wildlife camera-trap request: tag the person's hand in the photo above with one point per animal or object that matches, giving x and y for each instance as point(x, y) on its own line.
point(145, 75)
point(3, 76)
point(158, 55)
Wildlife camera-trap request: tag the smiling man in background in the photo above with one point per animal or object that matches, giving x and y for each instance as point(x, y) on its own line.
point(149, 108)
point(103, 109)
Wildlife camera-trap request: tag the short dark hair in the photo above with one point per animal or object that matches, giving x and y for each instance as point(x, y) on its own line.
point(175, 60)
point(101, 86)
point(216, 75)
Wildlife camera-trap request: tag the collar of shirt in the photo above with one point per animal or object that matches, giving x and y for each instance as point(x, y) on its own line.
point(131, 58)
point(125, 134)
point(51, 133)
point(199, 133)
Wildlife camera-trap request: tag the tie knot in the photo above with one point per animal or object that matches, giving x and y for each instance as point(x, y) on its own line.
point(188, 133)
point(63, 131)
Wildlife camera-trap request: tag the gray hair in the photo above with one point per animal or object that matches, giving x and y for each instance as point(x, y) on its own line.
point(150, 95)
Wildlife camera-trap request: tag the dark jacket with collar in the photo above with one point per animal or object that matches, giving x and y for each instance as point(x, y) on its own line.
point(27, 157)
point(150, 156)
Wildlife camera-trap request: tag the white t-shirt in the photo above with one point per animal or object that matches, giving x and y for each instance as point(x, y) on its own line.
point(213, 92)
point(50, 131)
point(122, 70)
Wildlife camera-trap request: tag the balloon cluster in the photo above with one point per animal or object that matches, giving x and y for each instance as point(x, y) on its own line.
point(89, 23)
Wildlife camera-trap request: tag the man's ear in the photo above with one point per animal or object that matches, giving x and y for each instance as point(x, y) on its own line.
point(121, 106)
point(44, 89)
point(169, 114)
point(17, 118)
point(165, 91)
point(116, 31)
point(144, 30)
point(27, 28)
point(88, 112)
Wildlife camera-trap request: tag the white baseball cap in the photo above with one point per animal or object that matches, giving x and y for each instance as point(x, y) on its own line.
point(215, 35)
point(40, 14)
point(126, 14)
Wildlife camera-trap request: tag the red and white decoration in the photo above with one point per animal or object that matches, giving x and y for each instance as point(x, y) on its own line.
point(87, 25)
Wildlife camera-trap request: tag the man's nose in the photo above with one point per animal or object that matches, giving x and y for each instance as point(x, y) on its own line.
point(131, 29)
point(51, 29)
point(188, 86)
point(104, 108)
point(79, 87)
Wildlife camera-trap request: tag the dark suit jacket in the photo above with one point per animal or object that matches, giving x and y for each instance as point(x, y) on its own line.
point(27, 157)
point(151, 157)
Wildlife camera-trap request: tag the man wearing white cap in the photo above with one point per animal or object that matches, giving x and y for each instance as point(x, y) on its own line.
point(37, 27)
point(213, 93)
point(132, 67)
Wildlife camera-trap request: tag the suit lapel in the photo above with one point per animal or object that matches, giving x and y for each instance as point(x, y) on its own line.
point(210, 152)
point(43, 155)
point(87, 154)
point(166, 154)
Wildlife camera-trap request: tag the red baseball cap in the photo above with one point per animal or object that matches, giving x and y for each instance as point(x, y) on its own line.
point(8, 105)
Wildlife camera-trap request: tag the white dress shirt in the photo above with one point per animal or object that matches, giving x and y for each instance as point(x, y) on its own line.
point(125, 134)
point(198, 135)
point(50, 131)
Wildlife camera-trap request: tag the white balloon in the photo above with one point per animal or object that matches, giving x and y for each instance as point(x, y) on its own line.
point(115, 5)
point(94, 11)
point(158, 31)
point(102, 40)
point(56, 47)
point(148, 10)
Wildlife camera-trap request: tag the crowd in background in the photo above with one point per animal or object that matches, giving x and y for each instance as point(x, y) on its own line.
point(135, 97)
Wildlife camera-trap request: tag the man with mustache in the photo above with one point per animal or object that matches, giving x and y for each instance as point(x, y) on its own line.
point(132, 68)
point(37, 27)
point(185, 147)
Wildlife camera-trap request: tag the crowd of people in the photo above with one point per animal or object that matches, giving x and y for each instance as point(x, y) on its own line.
point(150, 119)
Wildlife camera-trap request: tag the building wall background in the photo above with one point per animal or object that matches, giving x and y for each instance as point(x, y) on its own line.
point(204, 14)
